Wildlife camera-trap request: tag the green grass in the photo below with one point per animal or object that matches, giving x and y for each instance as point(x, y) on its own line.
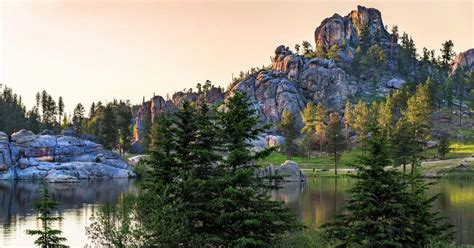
point(458, 150)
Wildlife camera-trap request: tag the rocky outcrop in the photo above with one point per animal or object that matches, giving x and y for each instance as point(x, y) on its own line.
point(288, 170)
point(345, 31)
point(464, 61)
point(57, 158)
point(157, 105)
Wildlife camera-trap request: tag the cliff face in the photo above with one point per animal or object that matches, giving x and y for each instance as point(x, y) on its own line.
point(345, 31)
point(57, 158)
point(464, 61)
point(157, 105)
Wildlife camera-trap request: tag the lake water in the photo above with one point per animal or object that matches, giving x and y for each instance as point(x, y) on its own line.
point(314, 202)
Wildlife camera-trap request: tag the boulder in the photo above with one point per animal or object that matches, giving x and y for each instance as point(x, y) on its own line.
point(431, 144)
point(289, 170)
point(395, 83)
point(22, 136)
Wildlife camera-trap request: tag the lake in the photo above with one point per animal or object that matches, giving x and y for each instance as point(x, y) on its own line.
point(314, 202)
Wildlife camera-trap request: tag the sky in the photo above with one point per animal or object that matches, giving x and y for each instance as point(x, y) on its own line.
point(90, 50)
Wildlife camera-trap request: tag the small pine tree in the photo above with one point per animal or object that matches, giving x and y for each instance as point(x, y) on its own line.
point(443, 147)
point(308, 117)
point(335, 139)
point(288, 128)
point(48, 237)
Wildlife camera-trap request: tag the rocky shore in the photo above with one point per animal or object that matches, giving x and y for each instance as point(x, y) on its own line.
point(57, 158)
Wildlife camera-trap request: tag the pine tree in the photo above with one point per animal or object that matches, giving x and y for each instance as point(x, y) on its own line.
point(335, 138)
point(348, 119)
point(48, 237)
point(447, 54)
point(418, 113)
point(287, 127)
point(385, 209)
point(123, 117)
point(60, 109)
point(320, 52)
point(78, 119)
point(249, 218)
point(403, 143)
point(361, 121)
point(308, 117)
point(108, 132)
point(320, 126)
point(443, 147)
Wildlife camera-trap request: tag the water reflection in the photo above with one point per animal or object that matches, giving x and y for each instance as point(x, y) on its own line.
point(77, 203)
point(314, 202)
point(318, 199)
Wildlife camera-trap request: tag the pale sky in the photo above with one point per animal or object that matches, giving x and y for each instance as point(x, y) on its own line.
point(86, 50)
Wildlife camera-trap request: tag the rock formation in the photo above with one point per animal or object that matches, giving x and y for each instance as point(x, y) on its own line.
point(293, 80)
point(464, 61)
point(344, 31)
point(57, 158)
point(288, 170)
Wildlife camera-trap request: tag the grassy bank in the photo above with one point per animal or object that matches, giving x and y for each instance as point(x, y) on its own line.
point(323, 166)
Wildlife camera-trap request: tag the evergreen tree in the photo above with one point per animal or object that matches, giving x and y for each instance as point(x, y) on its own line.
point(307, 49)
point(249, 218)
point(404, 147)
point(60, 109)
point(335, 138)
point(287, 127)
point(361, 121)
point(48, 237)
point(443, 147)
point(308, 117)
point(78, 119)
point(123, 117)
point(385, 210)
point(320, 126)
point(348, 119)
point(108, 132)
point(447, 54)
point(418, 113)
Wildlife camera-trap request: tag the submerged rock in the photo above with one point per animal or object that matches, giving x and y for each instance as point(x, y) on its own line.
point(57, 158)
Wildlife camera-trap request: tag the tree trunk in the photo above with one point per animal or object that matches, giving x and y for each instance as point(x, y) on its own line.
point(404, 168)
point(335, 163)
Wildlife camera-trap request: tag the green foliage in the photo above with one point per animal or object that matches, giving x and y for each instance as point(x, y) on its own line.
point(194, 195)
point(335, 139)
point(308, 117)
point(108, 130)
point(287, 127)
point(447, 54)
point(361, 121)
point(78, 119)
point(385, 209)
point(48, 237)
point(333, 53)
point(443, 147)
point(320, 125)
point(112, 225)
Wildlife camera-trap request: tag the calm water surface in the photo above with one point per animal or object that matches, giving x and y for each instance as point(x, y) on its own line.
point(314, 202)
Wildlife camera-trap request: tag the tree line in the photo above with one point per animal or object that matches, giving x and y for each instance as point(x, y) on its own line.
point(108, 124)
